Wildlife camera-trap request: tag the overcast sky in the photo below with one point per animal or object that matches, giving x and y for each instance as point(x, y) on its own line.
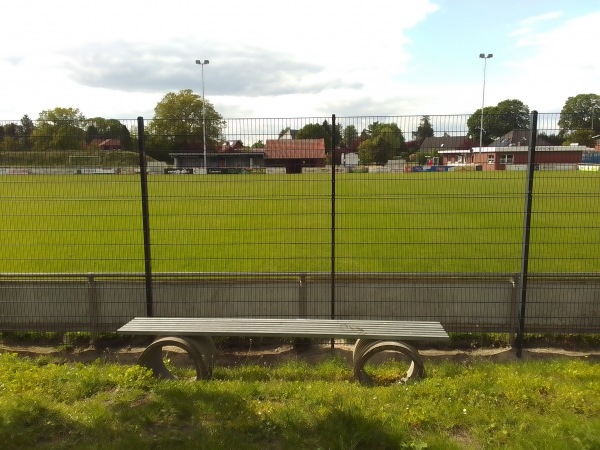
point(309, 58)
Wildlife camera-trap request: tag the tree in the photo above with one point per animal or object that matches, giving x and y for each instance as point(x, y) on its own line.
point(581, 112)
point(320, 131)
point(424, 130)
point(11, 130)
point(100, 128)
point(376, 150)
point(581, 137)
point(420, 158)
point(312, 131)
point(59, 129)
point(16, 137)
point(178, 125)
point(25, 131)
point(350, 136)
point(552, 139)
point(498, 120)
point(27, 126)
point(258, 144)
point(411, 148)
point(333, 135)
point(391, 133)
point(7, 137)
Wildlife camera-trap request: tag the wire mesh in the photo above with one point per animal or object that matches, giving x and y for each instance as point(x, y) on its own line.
point(413, 221)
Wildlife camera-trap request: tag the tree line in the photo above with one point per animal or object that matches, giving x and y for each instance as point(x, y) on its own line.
point(579, 121)
point(181, 120)
point(61, 129)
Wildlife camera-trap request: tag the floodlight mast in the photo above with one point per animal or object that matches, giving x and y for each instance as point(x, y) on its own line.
point(485, 58)
point(202, 64)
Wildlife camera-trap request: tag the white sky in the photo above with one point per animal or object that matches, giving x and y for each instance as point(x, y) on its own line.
point(310, 58)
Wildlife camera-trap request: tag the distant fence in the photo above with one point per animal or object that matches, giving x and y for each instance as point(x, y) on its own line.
point(90, 241)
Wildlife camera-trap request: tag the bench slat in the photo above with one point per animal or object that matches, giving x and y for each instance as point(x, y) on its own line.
point(315, 328)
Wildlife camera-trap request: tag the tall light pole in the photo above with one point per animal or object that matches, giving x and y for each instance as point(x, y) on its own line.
point(485, 58)
point(202, 64)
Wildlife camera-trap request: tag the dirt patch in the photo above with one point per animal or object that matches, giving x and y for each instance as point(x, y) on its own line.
point(273, 354)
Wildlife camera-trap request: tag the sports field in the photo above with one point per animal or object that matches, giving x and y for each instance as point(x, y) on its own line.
point(423, 222)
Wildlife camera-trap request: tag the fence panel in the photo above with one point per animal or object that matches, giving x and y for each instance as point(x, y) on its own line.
point(565, 239)
point(243, 213)
point(451, 227)
point(414, 221)
point(71, 209)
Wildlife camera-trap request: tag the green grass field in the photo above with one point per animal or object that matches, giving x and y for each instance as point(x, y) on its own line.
point(424, 222)
point(50, 404)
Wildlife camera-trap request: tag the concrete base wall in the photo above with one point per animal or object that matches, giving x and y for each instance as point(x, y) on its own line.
point(470, 304)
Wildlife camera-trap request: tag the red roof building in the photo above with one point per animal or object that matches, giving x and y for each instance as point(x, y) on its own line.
point(294, 154)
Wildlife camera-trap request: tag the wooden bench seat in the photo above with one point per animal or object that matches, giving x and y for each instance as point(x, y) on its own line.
point(194, 336)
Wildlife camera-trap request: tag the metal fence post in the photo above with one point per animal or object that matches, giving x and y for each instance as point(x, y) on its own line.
point(93, 305)
point(333, 144)
point(145, 218)
point(526, 231)
point(302, 310)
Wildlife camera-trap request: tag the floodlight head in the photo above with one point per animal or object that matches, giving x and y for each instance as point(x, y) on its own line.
point(198, 61)
point(481, 55)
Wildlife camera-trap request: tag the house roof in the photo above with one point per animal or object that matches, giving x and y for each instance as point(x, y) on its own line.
point(111, 142)
point(231, 146)
point(516, 138)
point(295, 149)
point(237, 143)
point(289, 134)
point(444, 142)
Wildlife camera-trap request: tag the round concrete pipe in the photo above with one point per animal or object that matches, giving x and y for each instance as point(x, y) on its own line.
point(365, 350)
point(207, 350)
point(359, 347)
point(152, 357)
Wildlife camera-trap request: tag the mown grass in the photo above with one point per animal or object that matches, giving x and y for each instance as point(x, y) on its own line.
point(518, 405)
point(440, 222)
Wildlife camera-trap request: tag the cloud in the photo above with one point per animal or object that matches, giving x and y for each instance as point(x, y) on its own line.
point(541, 18)
point(249, 72)
point(13, 60)
point(561, 63)
point(527, 27)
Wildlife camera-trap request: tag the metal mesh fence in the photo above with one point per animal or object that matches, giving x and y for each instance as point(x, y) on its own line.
point(414, 220)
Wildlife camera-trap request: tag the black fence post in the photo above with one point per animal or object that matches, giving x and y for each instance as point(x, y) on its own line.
point(145, 218)
point(526, 231)
point(333, 144)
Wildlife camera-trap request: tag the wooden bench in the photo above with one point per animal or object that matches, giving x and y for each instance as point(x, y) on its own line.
point(194, 336)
